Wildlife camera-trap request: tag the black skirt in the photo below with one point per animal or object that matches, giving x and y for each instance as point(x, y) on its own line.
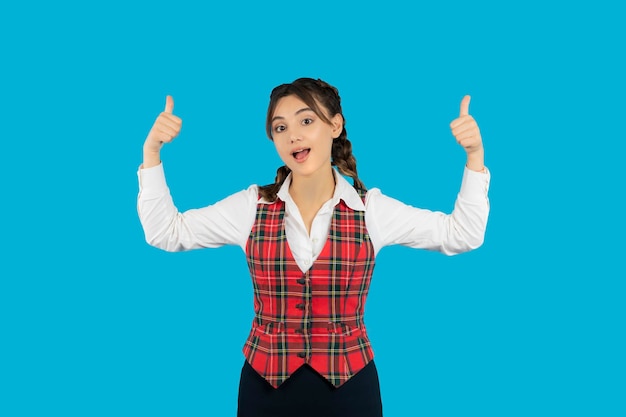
point(307, 393)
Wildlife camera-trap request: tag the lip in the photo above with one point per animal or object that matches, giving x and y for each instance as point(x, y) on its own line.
point(299, 149)
point(296, 150)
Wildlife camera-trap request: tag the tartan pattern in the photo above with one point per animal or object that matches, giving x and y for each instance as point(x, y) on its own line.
point(314, 317)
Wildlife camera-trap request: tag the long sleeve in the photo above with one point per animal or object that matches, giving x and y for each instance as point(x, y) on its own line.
point(227, 222)
point(392, 222)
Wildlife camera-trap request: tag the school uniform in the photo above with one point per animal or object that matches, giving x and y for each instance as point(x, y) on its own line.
point(308, 352)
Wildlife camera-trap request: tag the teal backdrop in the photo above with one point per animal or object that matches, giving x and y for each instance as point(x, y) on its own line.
point(95, 322)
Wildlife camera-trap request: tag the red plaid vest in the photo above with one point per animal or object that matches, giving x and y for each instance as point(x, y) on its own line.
point(314, 317)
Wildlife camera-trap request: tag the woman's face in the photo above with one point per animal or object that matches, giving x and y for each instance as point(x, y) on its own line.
point(303, 140)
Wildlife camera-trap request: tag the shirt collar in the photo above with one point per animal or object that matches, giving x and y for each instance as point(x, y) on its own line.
point(343, 191)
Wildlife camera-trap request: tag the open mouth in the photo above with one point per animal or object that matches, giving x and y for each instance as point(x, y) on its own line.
point(301, 154)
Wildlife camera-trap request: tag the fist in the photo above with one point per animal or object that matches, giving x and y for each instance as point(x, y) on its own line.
point(465, 129)
point(165, 128)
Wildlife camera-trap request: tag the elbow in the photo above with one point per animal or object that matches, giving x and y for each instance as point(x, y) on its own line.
point(466, 247)
point(475, 243)
point(170, 236)
point(160, 242)
point(466, 230)
point(474, 240)
point(156, 243)
point(465, 242)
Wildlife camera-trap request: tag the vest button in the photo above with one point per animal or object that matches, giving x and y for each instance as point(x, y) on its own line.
point(301, 281)
point(301, 355)
point(300, 331)
point(300, 306)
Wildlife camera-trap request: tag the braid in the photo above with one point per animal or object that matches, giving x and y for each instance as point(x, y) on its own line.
point(344, 160)
point(268, 192)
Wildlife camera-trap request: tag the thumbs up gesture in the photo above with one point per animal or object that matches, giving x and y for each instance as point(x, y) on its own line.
point(165, 128)
point(465, 129)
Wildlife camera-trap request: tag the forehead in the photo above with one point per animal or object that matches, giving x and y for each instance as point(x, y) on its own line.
point(289, 105)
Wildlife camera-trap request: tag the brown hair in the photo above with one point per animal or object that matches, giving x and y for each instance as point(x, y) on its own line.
point(316, 94)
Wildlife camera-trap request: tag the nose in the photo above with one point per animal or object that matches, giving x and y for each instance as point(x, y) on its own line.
point(295, 138)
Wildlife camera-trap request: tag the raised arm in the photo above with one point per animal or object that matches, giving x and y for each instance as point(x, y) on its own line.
point(226, 222)
point(392, 222)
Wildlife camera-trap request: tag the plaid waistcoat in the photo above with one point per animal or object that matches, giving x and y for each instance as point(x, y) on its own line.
point(314, 317)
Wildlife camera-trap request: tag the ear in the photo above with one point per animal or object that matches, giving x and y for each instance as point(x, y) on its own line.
point(337, 125)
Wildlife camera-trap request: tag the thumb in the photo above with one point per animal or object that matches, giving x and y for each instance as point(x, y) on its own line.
point(465, 106)
point(169, 104)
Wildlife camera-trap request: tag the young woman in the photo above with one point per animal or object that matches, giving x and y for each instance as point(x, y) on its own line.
point(311, 240)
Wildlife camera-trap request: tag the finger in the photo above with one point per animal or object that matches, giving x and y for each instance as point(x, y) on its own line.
point(169, 104)
point(465, 106)
point(168, 130)
point(169, 119)
point(465, 136)
point(461, 120)
point(466, 127)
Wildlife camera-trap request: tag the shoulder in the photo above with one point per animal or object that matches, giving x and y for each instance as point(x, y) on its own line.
point(244, 198)
point(372, 197)
point(383, 208)
point(372, 200)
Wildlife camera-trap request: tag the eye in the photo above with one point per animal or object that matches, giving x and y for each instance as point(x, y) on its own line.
point(279, 128)
point(307, 121)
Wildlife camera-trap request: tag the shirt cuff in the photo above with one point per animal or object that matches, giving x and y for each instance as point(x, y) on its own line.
point(152, 181)
point(475, 185)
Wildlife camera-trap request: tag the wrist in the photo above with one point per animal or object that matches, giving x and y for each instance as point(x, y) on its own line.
point(151, 158)
point(476, 161)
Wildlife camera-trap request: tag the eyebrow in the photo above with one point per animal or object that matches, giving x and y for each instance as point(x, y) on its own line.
point(296, 113)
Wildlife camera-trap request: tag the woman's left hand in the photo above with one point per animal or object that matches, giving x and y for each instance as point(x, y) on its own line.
point(467, 134)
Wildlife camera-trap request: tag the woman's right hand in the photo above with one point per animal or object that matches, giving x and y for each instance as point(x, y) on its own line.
point(166, 127)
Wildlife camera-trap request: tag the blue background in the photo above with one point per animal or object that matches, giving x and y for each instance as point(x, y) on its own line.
point(95, 322)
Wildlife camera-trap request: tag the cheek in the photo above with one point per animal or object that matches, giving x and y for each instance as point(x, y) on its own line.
point(282, 151)
point(329, 143)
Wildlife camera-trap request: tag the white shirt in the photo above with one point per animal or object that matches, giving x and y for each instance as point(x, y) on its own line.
point(388, 221)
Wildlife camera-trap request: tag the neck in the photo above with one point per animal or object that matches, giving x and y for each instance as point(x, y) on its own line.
point(313, 190)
